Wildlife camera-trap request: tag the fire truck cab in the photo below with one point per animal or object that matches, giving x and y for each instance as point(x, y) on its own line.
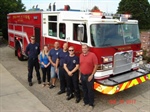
point(115, 41)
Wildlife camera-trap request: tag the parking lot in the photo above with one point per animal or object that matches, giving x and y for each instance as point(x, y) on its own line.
point(136, 99)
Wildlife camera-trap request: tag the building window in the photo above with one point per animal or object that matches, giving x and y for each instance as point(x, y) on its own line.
point(62, 30)
point(75, 31)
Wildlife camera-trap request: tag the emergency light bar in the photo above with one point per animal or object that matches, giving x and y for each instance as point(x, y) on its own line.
point(123, 17)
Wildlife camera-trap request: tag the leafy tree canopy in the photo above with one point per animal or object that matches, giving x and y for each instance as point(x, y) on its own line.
point(7, 6)
point(139, 9)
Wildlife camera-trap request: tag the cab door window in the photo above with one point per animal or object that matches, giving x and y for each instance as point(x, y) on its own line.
point(75, 30)
point(62, 31)
point(52, 25)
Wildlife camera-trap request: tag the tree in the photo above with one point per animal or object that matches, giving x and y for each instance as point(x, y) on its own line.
point(7, 6)
point(139, 9)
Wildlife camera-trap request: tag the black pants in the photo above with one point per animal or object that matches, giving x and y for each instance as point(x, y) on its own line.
point(46, 73)
point(73, 84)
point(62, 77)
point(88, 91)
point(33, 62)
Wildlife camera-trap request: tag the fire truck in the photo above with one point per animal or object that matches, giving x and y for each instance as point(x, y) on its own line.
point(115, 41)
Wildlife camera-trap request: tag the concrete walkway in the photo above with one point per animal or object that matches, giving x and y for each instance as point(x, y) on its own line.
point(14, 97)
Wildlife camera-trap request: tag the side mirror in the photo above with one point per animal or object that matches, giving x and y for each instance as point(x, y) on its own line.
point(80, 32)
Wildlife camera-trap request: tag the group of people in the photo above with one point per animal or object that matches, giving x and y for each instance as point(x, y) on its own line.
point(67, 67)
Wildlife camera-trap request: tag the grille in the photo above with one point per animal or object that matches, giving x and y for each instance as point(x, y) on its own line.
point(122, 62)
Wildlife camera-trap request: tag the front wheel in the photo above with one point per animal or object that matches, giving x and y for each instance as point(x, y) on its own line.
point(19, 53)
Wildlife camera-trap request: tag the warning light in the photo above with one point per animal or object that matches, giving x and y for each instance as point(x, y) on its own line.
point(66, 7)
point(126, 15)
point(97, 14)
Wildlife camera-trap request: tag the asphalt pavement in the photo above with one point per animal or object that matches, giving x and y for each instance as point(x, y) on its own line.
point(16, 96)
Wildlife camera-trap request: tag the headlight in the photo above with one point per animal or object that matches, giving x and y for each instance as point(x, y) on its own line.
point(107, 59)
point(139, 53)
point(107, 66)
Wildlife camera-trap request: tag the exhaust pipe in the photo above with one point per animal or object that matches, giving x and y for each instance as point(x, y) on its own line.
point(36, 6)
point(54, 7)
point(50, 7)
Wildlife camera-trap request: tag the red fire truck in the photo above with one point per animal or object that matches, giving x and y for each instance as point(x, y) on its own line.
point(115, 41)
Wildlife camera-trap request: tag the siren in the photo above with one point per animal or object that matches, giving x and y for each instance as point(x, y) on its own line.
point(66, 7)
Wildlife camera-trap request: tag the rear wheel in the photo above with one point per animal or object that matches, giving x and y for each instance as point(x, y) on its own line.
point(19, 53)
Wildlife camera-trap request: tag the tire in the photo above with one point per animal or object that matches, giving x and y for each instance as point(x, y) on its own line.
point(19, 53)
point(15, 52)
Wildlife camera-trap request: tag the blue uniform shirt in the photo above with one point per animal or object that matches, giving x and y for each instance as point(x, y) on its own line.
point(54, 54)
point(44, 59)
point(32, 50)
point(61, 56)
point(71, 62)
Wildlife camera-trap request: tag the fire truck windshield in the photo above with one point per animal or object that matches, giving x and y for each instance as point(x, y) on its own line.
point(105, 35)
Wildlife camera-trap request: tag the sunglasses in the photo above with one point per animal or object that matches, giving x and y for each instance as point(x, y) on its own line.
point(71, 50)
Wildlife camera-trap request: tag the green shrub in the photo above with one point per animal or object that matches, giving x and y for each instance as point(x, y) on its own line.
point(146, 55)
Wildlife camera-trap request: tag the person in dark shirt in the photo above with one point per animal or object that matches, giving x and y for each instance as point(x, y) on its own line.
point(71, 65)
point(62, 73)
point(53, 54)
point(32, 51)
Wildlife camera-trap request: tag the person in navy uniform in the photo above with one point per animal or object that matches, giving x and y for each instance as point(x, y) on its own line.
point(32, 51)
point(71, 65)
point(62, 73)
point(53, 54)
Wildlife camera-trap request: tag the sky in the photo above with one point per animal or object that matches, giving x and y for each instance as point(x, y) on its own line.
point(109, 6)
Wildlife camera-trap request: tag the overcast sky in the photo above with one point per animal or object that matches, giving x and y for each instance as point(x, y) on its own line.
point(110, 6)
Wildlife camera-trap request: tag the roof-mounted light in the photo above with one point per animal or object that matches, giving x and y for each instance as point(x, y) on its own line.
point(97, 13)
point(124, 17)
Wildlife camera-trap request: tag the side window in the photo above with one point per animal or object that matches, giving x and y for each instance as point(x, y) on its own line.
point(52, 26)
point(62, 30)
point(75, 29)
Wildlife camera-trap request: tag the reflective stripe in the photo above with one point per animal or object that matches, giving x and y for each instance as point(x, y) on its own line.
point(112, 91)
point(120, 87)
point(123, 86)
point(142, 79)
point(133, 82)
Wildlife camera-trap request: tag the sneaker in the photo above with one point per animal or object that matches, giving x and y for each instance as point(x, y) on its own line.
point(48, 84)
point(70, 97)
point(85, 104)
point(30, 84)
point(60, 92)
point(39, 81)
point(43, 85)
point(51, 86)
point(89, 108)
